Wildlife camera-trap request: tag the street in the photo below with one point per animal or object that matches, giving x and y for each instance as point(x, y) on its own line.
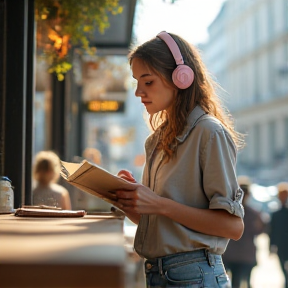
point(268, 273)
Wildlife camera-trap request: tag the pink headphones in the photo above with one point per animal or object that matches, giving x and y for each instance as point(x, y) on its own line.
point(183, 75)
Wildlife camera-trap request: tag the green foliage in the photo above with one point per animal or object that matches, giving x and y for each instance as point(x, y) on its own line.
point(63, 23)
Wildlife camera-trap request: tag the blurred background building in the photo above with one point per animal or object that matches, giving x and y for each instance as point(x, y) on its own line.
point(247, 52)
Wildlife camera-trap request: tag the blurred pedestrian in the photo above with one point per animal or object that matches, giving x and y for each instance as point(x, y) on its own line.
point(46, 172)
point(240, 256)
point(93, 155)
point(188, 205)
point(279, 230)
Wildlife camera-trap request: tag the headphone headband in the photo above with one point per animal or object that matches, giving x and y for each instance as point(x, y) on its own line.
point(183, 75)
point(167, 38)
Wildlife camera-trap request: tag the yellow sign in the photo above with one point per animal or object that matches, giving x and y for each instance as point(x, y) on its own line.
point(105, 106)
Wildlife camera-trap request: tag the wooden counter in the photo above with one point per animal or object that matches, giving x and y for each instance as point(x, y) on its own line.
point(61, 252)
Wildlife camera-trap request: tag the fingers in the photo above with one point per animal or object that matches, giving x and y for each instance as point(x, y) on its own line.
point(128, 178)
point(126, 198)
point(124, 174)
point(124, 194)
point(127, 203)
point(112, 195)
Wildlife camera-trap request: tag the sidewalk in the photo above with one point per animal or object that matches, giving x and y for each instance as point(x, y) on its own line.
point(268, 273)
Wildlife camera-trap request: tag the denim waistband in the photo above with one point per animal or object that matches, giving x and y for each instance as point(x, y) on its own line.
point(158, 264)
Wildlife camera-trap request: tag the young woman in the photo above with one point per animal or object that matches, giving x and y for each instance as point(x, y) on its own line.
point(188, 205)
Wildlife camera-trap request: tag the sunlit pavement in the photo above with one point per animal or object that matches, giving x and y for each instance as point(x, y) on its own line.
point(268, 273)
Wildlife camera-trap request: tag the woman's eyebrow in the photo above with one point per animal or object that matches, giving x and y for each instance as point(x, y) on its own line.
point(142, 76)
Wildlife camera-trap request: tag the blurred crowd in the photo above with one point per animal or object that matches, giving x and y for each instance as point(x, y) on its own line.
point(240, 256)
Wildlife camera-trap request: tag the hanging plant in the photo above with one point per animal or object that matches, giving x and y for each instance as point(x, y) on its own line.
point(62, 24)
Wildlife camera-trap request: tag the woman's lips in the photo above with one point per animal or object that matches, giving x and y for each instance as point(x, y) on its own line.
point(146, 103)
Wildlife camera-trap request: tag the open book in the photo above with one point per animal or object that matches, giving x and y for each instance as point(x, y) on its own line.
point(95, 180)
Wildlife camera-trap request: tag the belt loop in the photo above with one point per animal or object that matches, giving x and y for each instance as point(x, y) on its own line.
point(210, 258)
point(160, 266)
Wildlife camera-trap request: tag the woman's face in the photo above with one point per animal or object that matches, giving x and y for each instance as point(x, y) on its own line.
point(155, 94)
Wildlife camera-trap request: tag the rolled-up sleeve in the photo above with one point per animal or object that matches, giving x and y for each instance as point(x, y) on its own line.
point(218, 162)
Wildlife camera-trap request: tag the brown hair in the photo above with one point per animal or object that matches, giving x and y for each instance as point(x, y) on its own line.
point(157, 56)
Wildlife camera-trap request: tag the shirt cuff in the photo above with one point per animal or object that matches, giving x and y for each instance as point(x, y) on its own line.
point(234, 207)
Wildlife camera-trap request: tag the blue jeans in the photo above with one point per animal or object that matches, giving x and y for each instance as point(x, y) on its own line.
point(196, 269)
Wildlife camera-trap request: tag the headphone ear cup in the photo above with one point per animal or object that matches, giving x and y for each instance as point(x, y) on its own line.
point(183, 76)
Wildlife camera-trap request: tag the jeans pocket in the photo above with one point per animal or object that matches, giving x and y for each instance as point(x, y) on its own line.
point(185, 274)
point(223, 281)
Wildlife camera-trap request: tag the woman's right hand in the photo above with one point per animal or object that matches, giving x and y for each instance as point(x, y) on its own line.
point(140, 200)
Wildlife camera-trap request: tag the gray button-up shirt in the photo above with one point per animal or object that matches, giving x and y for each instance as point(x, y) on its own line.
point(202, 175)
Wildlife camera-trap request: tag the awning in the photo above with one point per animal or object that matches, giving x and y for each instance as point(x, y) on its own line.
point(117, 38)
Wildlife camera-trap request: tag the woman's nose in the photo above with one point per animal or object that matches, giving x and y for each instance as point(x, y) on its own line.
point(139, 92)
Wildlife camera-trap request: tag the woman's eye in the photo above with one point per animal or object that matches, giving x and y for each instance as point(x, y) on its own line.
point(148, 83)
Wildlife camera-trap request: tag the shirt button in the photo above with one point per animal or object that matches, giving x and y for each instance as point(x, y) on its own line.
point(149, 266)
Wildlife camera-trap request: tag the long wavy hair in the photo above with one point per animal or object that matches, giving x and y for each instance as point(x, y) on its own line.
point(157, 56)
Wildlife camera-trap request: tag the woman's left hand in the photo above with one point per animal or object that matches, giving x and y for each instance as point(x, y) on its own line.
point(127, 175)
point(142, 200)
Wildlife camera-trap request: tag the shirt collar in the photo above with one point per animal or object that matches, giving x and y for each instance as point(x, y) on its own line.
point(192, 120)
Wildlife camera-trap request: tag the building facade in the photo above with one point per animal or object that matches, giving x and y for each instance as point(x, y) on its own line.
point(247, 52)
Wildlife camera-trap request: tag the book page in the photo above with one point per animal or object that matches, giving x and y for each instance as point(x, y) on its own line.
point(95, 180)
point(68, 168)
